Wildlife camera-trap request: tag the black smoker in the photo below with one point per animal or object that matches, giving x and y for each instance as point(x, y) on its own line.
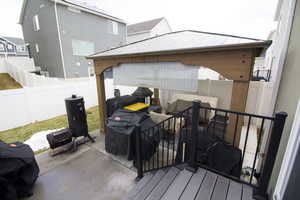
point(78, 126)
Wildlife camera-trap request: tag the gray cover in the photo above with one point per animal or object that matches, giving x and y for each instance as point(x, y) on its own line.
point(120, 138)
point(18, 171)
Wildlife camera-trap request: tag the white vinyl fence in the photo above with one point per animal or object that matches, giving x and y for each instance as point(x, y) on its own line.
point(22, 75)
point(2, 66)
point(23, 106)
point(30, 104)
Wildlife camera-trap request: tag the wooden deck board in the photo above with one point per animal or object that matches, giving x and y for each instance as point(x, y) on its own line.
point(207, 186)
point(247, 192)
point(164, 184)
point(139, 186)
point(221, 188)
point(234, 191)
point(178, 186)
point(192, 188)
point(147, 189)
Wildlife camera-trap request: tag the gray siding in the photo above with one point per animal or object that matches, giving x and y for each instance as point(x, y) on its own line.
point(288, 97)
point(86, 27)
point(80, 26)
point(47, 37)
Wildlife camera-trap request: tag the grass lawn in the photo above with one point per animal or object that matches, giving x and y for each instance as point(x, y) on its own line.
point(23, 133)
point(7, 82)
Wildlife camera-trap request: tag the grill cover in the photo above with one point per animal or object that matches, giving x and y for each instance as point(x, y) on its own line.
point(120, 139)
point(116, 103)
point(212, 151)
point(18, 171)
point(142, 92)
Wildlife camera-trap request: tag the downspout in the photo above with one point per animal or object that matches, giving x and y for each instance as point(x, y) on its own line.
point(59, 39)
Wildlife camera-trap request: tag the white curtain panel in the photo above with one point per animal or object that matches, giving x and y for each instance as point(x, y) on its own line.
point(162, 75)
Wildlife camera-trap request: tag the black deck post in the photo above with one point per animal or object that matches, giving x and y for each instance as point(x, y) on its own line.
point(138, 153)
point(273, 145)
point(194, 137)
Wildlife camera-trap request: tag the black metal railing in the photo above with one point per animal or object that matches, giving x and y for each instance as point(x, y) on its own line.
point(157, 146)
point(204, 143)
point(261, 74)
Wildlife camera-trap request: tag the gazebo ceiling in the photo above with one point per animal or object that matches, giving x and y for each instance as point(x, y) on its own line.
point(181, 42)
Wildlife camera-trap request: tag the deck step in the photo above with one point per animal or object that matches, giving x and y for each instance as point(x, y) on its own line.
point(164, 184)
point(139, 186)
point(147, 189)
point(176, 183)
point(178, 186)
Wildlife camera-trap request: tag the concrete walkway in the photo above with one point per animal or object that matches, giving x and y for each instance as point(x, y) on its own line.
point(87, 174)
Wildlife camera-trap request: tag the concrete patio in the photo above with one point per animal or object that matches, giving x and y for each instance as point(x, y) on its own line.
point(89, 173)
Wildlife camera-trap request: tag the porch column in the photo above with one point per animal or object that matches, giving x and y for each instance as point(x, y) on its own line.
point(101, 101)
point(156, 100)
point(238, 103)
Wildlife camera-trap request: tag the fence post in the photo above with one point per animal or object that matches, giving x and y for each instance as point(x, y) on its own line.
point(194, 136)
point(138, 153)
point(270, 157)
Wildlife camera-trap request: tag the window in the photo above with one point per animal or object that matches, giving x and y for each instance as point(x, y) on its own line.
point(21, 48)
point(82, 48)
point(91, 71)
point(112, 27)
point(36, 23)
point(10, 47)
point(37, 49)
point(2, 47)
point(29, 50)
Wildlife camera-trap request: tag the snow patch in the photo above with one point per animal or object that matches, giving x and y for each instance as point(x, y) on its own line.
point(38, 141)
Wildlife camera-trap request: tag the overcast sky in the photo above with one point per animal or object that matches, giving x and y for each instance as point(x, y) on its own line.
point(252, 18)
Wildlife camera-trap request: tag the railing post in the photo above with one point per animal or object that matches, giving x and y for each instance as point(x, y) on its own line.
point(138, 153)
point(194, 136)
point(273, 145)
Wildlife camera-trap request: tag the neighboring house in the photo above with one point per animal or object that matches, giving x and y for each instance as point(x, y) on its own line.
point(12, 46)
point(61, 33)
point(284, 60)
point(151, 28)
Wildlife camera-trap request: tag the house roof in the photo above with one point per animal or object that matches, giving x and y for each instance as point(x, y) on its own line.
point(143, 26)
point(182, 41)
point(14, 40)
point(79, 5)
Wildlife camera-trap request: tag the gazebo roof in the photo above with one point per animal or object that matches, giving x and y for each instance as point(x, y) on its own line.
point(182, 41)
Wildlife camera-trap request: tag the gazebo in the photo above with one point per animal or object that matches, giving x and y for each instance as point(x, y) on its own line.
point(231, 56)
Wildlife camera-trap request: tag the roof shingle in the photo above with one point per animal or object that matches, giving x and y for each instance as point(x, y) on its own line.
point(181, 41)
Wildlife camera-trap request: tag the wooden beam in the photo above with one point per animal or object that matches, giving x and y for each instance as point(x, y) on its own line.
point(233, 64)
point(101, 101)
point(238, 103)
point(156, 100)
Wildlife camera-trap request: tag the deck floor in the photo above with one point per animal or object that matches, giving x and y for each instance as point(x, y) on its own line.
point(180, 184)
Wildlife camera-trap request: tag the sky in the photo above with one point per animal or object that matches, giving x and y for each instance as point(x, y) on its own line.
point(249, 18)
